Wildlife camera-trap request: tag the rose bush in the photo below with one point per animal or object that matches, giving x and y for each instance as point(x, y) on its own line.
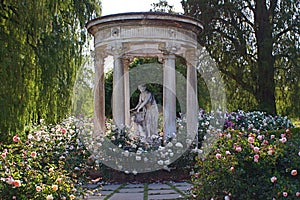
point(44, 162)
point(250, 165)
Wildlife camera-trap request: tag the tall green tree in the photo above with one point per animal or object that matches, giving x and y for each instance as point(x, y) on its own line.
point(41, 45)
point(252, 42)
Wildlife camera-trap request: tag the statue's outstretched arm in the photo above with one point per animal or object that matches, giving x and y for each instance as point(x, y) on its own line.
point(148, 96)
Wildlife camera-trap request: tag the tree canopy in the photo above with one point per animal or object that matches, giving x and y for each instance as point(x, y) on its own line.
point(256, 47)
point(41, 43)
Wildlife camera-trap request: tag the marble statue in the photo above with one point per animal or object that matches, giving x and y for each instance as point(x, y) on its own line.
point(146, 116)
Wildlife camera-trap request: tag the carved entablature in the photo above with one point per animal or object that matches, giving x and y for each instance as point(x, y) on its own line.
point(146, 34)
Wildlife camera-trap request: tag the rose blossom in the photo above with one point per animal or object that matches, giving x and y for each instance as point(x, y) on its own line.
point(231, 169)
point(9, 180)
point(63, 130)
point(297, 194)
point(256, 149)
point(282, 135)
point(260, 137)
point(238, 148)
point(256, 157)
point(54, 187)
point(59, 180)
point(72, 196)
point(251, 139)
point(228, 153)
point(265, 142)
point(49, 197)
point(3, 155)
point(17, 183)
point(16, 138)
point(283, 140)
point(272, 136)
point(285, 194)
point(218, 156)
point(294, 172)
point(273, 179)
point(33, 154)
point(38, 188)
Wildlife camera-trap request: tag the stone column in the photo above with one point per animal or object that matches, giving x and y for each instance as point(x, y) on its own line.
point(192, 97)
point(118, 97)
point(126, 62)
point(169, 95)
point(99, 92)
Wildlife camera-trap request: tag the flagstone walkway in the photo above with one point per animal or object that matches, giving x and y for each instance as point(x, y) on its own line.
point(145, 191)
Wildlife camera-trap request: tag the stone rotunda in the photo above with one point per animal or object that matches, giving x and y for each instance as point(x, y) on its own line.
point(126, 36)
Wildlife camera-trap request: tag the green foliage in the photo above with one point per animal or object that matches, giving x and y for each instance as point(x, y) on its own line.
point(162, 6)
point(255, 45)
point(46, 161)
point(41, 44)
point(247, 165)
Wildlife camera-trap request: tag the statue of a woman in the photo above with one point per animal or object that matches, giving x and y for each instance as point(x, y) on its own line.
point(148, 107)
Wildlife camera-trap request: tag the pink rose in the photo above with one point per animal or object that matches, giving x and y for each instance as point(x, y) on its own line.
point(9, 180)
point(271, 151)
point(283, 140)
point(38, 188)
point(265, 142)
point(33, 154)
point(272, 136)
point(256, 157)
point(218, 156)
point(251, 140)
point(256, 149)
point(17, 183)
point(228, 153)
point(273, 179)
point(3, 155)
point(231, 169)
point(297, 194)
point(294, 172)
point(260, 137)
point(63, 130)
point(16, 138)
point(238, 148)
point(285, 194)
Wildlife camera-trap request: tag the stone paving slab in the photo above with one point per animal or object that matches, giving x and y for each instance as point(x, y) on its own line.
point(161, 196)
point(184, 188)
point(134, 186)
point(131, 190)
point(110, 187)
point(181, 184)
point(127, 196)
point(155, 191)
point(162, 192)
point(155, 186)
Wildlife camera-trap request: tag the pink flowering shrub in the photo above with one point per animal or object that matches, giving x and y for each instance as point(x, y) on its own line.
point(47, 163)
point(247, 165)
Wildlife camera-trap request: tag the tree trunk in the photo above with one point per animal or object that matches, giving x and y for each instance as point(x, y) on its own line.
point(265, 92)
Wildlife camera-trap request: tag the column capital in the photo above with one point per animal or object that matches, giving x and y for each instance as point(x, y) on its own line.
point(191, 57)
point(169, 49)
point(117, 50)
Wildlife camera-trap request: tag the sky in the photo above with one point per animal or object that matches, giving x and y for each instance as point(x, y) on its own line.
point(121, 6)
